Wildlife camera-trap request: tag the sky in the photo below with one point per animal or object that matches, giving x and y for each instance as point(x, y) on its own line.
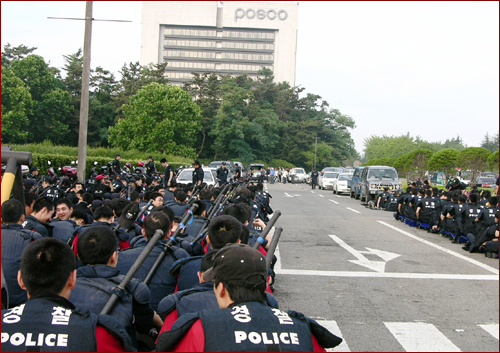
point(430, 69)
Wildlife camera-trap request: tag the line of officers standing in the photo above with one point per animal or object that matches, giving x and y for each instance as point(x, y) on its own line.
point(211, 295)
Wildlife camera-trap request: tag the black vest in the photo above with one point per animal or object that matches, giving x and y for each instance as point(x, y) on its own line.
point(251, 327)
point(14, 240)
point(51, 323)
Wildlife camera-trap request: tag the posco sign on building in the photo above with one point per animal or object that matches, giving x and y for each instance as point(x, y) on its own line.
point(230, 37)
point(260, 14)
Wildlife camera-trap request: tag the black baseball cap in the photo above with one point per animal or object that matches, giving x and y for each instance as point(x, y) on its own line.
point(196, 162)
point(150, 157)
point(223, 163)
point(235, 263)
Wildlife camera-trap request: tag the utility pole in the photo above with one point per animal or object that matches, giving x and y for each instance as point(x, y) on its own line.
point(315, 151)
point(84, 103)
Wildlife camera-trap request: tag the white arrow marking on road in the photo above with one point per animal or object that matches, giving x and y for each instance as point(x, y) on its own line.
point(387, 256)
point(378, 266)
point(491, 329)
point(352, 210)
point(297, 195)
point(335, 202)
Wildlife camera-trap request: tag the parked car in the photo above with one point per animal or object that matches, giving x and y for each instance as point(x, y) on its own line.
point(438, 178)
point(340, 184)
point(375, 178)
point(300, 175)
point(185, 176)
point(325, 181)
point(355, 183)
point(332, 169)
point(485, 182)
point(254, 171)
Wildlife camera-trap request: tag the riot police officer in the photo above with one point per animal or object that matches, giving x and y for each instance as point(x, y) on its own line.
point(314, 178)
point(150, 167)
point(222, 173)
point(198, 173)
point(243, 322)
point(48, 321)
point(115, 165)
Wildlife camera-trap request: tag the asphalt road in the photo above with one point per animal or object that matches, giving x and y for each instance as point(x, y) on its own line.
point(376, 282)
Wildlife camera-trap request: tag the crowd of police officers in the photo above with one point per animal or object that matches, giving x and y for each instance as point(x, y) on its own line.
point(111, 263)
point(465, 217)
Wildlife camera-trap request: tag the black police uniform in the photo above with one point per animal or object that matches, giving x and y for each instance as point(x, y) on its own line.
point(14, 240)
point(222, 175)
point(53, 193)
point(469, 218)
point(150, 168)
point(314, 179)
point(64, 229)
point(250, 327)
point(237, 173)
point(116, 166)
point(167, 171)
point(31, 223)
point(49, 322)
point(198, 175)
point(428, 212)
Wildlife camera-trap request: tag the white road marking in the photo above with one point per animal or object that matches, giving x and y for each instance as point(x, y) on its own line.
point(352, 210)
point(280, 271)
point(460, 256)
point(378, 266)
point(491, 329)
point(335, 202)
point(420, 337)
point(331, 325)
point(288, 195)
point(320, 195)
point(338, 195)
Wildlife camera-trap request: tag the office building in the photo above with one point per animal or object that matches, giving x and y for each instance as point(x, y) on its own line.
point(232, 37)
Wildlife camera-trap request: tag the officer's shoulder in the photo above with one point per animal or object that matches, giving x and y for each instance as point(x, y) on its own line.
point(167, 340)
point(325, 338)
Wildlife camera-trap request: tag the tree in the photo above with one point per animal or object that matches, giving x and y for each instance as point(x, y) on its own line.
point(51, 103)
point(490, 143)
point(493, 161)
point(10, 54)
point(101, 109)
point(133, 78)
point(402, 166)
point(159, 118)
point(474, 159)
point(16, 106)
point(417, 161)
point(73, 81)
point(206, 91)
point(445, 161)
point(388, 146)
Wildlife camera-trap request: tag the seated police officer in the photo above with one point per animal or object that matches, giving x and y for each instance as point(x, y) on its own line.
point(43, 208)
point(14, 240)
point(162, 283)
point(245, 323)
point(97, 279)
point(49, 321)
